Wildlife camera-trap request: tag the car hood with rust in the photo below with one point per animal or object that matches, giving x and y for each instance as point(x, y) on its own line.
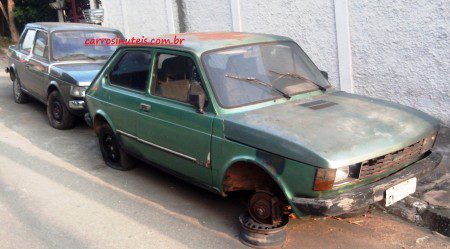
point(331, 130)
point(77, 73)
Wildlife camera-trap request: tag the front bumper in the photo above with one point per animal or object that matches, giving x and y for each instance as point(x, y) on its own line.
point(365, 195)
point(76, 104)
point(77, 107)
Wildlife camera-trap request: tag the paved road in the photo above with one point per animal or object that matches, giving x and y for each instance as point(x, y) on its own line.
point(56, 192)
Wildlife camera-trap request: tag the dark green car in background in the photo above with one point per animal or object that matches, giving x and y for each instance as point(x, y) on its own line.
point(240, 111)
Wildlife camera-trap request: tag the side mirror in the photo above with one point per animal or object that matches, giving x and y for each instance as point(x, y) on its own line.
point(198, 99)
point(325, 74)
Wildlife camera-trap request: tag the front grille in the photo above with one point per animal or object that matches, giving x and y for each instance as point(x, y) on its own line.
point(381, 164)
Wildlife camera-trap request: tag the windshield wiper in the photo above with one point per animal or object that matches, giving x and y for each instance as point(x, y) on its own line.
point(259, 82)
point(299, 76)
point(77, 55)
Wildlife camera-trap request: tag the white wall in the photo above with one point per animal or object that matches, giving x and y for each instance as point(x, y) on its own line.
point(136, 17)
point(402, 52)
point(400, 49)
point(309, 22)
point(208, 15)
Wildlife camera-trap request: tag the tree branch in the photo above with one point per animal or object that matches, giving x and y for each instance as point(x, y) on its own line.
point(4, 12)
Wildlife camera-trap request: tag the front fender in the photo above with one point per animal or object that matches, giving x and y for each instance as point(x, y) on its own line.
point(293, 178)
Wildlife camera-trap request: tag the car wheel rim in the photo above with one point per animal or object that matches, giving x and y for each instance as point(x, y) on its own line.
point(110, 148)
point(57, 111)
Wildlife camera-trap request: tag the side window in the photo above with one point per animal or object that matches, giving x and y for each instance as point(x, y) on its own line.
point(132, 71)
point(40, 45)
point(27, 42)
point(176, 76)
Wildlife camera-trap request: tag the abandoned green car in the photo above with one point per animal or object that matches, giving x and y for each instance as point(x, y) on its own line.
point(241, 111)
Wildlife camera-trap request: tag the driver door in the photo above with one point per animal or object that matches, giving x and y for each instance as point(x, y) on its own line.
point(24, 55)
point(174, 134)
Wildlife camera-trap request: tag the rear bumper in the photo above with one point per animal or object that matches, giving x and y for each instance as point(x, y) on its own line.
point(365, 195)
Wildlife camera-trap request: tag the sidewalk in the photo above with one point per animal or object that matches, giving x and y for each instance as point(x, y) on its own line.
point(430, 205)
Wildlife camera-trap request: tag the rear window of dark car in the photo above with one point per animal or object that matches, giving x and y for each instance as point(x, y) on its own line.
point(71, 45)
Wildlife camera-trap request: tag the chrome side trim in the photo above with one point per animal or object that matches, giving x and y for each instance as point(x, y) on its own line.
point(159, 147)
point(127, 134)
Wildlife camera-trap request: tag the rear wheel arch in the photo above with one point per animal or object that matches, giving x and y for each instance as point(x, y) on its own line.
point(101, 118)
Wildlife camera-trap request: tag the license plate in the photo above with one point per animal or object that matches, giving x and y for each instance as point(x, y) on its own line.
point(400, 191)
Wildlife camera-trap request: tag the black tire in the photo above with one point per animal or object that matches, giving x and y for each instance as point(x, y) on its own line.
point(19, 96)
point(58, 115)
point(113, 155)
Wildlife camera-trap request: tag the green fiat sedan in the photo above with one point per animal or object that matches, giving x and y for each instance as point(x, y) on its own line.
point(251, 112)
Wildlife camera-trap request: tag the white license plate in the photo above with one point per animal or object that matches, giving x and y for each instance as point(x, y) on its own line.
point(400, 191)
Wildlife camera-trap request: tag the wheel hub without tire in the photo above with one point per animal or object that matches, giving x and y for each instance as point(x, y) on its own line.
point(265, 208)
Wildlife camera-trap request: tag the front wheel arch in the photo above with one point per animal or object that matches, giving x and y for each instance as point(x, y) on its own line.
point(254, 177)
point(52, 87)
point(246, 162)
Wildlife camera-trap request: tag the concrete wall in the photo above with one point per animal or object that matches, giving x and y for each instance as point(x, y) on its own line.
point(399, 49)
point(402, 52)
point(136, 17)
point(309, 22)
point(208, 15)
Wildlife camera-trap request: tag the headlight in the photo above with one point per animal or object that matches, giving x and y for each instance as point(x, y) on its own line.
point(78, 91)
point(341, 174)
point(327, 179)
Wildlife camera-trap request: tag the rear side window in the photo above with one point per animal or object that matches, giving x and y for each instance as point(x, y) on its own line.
point(40, 46)
point(174, 75)
point(132, 71)
point(27, 42)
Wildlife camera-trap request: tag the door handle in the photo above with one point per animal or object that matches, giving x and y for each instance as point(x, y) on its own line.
point(145, 107)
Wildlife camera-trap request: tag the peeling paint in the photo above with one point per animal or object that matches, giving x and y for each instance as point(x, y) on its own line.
point(346, 204)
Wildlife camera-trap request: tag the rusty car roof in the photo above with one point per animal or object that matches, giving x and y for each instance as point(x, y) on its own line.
point(60, 26)
point(207, 41)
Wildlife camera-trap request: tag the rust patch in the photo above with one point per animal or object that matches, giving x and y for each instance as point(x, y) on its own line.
point(381, 164)
point(245, 176)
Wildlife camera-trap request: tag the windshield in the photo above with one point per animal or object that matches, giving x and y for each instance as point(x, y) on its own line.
point(261, 72)
point(70, 45)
